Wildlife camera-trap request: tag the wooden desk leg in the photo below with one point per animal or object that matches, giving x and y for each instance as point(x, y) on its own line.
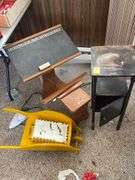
point(125, 103)
point(50, 83)
point(93, 93)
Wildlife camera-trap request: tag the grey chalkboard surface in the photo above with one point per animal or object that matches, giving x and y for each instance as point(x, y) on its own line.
point(52, 46)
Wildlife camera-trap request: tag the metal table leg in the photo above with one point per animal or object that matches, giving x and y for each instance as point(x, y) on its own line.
point(125, 103)
point(6, 61)
point(93, 93)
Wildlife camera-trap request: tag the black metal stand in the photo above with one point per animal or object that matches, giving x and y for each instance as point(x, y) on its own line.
point(6, 61)
point(93, 93)
point(125, 103)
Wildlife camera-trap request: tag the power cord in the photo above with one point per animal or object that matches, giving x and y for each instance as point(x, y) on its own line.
point(24, 108)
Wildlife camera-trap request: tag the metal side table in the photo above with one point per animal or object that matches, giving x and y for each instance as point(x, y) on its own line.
point(112, 62)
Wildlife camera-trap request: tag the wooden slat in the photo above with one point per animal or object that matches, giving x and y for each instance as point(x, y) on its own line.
point(32, 36)
point(121, 22)
point(62, 61)
point(84, 20)
point(76, 86)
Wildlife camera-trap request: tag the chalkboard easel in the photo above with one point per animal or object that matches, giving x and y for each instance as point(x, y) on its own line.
point(52, 45)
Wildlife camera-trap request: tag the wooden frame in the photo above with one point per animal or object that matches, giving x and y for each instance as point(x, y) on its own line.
point(32, 36)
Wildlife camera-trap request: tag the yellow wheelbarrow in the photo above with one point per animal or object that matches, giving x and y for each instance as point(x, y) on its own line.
point(71, 144)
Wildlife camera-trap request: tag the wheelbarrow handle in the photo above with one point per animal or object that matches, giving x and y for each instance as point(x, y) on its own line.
point(12, 110)
point(10, 147)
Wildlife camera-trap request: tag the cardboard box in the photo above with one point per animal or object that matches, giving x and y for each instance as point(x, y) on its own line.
point(8, 18)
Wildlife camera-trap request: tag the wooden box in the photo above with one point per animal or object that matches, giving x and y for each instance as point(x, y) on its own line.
point(8, 18)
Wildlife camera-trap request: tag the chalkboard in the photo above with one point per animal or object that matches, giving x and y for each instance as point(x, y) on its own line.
point(52, 45)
